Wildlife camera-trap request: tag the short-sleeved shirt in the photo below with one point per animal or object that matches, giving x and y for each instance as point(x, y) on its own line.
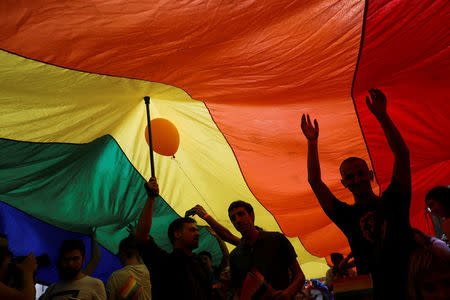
point(176, 275)
point(129, 282)
point(271, 254)
point(379, 234)
point(86, 288)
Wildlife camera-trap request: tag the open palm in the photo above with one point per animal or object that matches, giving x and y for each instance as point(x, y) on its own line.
point(311, 132)
point(378, 104)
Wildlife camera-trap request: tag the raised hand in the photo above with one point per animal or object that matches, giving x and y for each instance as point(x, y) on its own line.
point(131, 228)
point(378, 104)
point(152, 188)
point(311, 132)
point(196, 210)
point(29, 264)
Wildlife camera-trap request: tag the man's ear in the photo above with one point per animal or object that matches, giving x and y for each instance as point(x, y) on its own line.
point(177, 234)
point(84, 259)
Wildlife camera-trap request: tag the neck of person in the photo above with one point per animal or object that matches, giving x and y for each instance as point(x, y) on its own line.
point(132, 261)
point(251, 235)
point(79, 276)
point(365, 199)
point(186, 250)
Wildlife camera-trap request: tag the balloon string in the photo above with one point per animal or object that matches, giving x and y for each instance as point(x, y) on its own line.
point(190, 181)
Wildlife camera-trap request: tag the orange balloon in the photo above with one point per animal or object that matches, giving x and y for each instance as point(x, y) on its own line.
point(165, 137)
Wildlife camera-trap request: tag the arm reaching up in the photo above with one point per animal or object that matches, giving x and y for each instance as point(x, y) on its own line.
point(95, 255)
point(377, 104)
point(323, 194)
point(221, 231)
point(223, 248)
point(145, 219)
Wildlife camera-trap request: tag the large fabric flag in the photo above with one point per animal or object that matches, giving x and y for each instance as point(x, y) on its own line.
point(234, 77)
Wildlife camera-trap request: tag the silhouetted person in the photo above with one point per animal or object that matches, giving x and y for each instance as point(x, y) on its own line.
point(133, 280)
point(179, 274)
point(377, 228)
point(262, 255)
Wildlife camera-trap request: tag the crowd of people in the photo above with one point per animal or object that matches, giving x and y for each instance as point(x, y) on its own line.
point(264, 265)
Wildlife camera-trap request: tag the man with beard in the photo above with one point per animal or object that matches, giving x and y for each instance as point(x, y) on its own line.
point(377, 227)
point(73, 283)
point(179, 274)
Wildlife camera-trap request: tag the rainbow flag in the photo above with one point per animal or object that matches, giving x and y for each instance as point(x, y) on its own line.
point(234, 78)
point(357, 287)
point(255, 284)
point(131, 289)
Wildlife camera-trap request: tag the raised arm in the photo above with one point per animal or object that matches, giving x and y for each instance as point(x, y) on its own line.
point(223, 248)
point(95, 255)
point(323, 194)
point(377, 104)
point(221, 231)
point(145, 219)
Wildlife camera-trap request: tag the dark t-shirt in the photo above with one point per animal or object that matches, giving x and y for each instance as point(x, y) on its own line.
point(379, 235)
point(271, 255)
point(176, 275)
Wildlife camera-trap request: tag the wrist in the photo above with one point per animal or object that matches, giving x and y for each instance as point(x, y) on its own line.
point(205, 216)
point(312, 142)
point(151, 193)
